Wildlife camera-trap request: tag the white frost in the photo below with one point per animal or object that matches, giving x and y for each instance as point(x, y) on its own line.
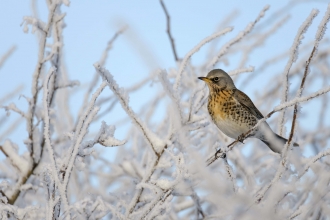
point(17, 161)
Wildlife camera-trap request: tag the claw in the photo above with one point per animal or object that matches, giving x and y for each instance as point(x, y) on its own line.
point(240, 138)
point(220, 153)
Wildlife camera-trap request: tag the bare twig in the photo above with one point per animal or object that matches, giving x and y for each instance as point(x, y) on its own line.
point(168, 30)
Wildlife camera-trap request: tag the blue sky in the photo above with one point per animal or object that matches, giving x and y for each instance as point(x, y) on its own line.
point(144, 46)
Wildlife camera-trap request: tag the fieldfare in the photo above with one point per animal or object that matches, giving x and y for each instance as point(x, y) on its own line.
point(233, 112)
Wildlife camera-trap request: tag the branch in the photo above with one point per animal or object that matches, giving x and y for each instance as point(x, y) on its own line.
point(293, 58)
point(36, 74)
point(155, 142)
point(230, 172)
point(102, 62)
point(157, 145)
point(194, 50)
point(81, 130)
point(54, 169)
point(12, 107)
point(241, 70)
point(110, 44)
point(287, 145)
point(260, 39)
point(69, 84)
point(313, 160)
point(20, 163)
point(7, 55)
point(168, 30)
point(246, 31)
point(197, 201)
point(162, 76)
point(44, 31)
point(11, 94)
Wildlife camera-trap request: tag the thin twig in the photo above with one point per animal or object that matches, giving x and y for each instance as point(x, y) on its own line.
point(230, 172)
point(197, 201)
point(168, 30)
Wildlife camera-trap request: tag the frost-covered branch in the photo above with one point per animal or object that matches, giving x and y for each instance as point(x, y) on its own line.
point(44, 31)
point(293, 57)
point(230, 172)
point(12, 94)
point(47, 136)
point(156, 144)
point(81, 130)
point(283, 162)
point(65, 164)
point(313, 160)
point(7, 55)
point(102, 62)
point(12, 107)
point(241, 70)
point(239, 37)
point(194, 50)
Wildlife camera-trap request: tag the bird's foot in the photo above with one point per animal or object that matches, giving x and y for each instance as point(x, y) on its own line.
point(220, 154)
point(240, 138)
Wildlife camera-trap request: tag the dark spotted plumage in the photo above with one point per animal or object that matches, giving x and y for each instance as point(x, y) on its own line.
point(233, 111)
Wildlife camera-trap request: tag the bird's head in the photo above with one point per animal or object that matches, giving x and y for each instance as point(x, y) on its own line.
point(218, 79)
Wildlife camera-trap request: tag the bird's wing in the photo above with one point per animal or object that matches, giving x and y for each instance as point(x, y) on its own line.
point(244, 100)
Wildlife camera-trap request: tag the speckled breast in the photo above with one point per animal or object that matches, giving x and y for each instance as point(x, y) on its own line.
point(229, 115)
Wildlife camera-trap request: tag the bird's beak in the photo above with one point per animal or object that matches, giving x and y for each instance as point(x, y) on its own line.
point(205, 79)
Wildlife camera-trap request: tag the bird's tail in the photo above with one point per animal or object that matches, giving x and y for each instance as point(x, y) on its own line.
point(276, 143)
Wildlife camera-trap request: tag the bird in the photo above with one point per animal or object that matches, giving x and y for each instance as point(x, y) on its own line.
point(234, 113)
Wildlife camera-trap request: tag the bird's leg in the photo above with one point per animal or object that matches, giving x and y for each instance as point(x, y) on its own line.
point(240, 138)
point(220, 153)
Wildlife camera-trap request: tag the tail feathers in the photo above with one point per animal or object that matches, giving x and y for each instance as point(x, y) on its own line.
point(276, 143)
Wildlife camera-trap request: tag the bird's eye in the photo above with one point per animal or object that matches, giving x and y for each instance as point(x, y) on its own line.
point(216, 79)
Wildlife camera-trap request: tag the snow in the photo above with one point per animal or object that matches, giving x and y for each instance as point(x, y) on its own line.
point(19, 162)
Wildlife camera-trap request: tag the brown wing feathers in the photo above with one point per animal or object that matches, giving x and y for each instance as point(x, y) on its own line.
point(245, 101)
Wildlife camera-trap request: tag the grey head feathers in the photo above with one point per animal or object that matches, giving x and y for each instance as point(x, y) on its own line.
point(221, 79)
